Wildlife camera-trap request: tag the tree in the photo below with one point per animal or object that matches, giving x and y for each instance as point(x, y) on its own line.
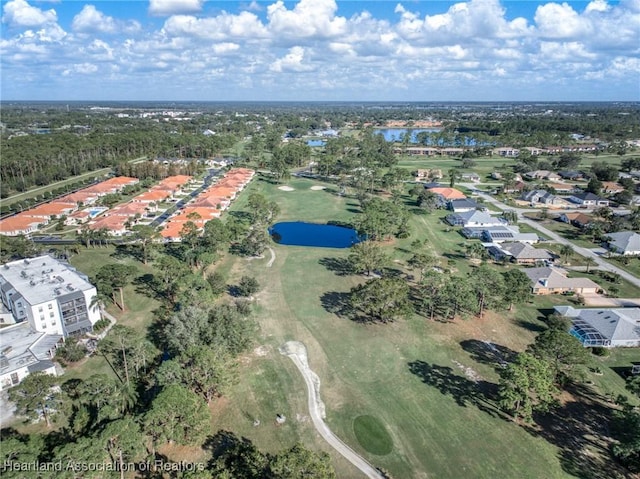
point(566, 250)
point(254, 243)
point(454, 175)
point(299, 462)
point(118, 342)
point(381, 219)
point(262, 211)
point(475, 251)
point(145, 236)
point(248, 286)
point(624, 197)
point(594, 186)
point(517, 287)
point(202, 369)
point(123, 441)
point(35, 396)
point(366, 257)
point(564, 353)
point(423, 261)
point(217, 282)
point(526, 385)
point(589, 261)
point(626, 431)
point(177, 415)
point(114, 277)
point(488, 286)
point(385, 299)
point(430, 292)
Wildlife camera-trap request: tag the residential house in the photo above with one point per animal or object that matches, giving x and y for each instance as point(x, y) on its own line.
point(430, 174)
point(542, 175)
point(462, 205)
point(474, 219)
point(517, 187)
point(534, 150)
point(152, 196)
point(114, 225)
point(50, 210)
point(542, 197)
point(626, 243)
point(579, 220)
point(504, 234)
point(519, 253)
point(611, 187)
point(550, 280)
point(473, 177)
point(571, 175)
point(604, 327)
point(562, 187)
point(588, 200)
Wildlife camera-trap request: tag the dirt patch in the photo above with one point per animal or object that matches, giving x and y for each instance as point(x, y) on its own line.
point(262, 351)
point(286, 188)
point(469, 373)
point(318, 187)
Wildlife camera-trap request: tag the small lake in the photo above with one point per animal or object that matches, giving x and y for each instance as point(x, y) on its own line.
point(396, 134)
point(316, 143)
point(298, 233)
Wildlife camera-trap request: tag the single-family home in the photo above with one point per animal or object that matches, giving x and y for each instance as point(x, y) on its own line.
point(517, 187)
point(542, 197)
point(473, 177)
point(562, 187)
point(542, 175)
point(462, 205)
point(50, 210)
point(626, 243)
point(587, 200)
point(579, 220)
point(504, 234)
point(519, 253)
point(611, 187)
point(604, 327)
point(474, 219)
point(571, 175)
point(551, 280)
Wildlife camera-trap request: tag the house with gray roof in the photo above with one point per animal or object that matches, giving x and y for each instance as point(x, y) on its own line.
point(549, 280)
point(626, 243)
point(542, 197)
point(519, 253)
point(511, 233)
point(474, 219)
point(462, 205)
point(588, 199)
point(609, 328)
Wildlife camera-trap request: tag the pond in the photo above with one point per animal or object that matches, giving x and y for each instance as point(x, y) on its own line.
point(315, 143)
point(396, 134)
point(298, 233)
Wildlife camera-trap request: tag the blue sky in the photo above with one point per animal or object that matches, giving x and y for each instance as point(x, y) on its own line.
point(476, 50)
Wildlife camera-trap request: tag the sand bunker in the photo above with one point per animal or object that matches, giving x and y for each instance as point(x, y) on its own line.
point(286, 188)
point(318, 187)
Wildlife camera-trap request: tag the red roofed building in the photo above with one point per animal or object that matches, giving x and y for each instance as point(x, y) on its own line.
point(20, 224)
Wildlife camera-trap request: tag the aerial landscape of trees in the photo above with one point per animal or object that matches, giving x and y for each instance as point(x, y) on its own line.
point(203, 301)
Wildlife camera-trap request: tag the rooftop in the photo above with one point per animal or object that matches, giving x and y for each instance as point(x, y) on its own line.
point(21, 346)
point(42, 278)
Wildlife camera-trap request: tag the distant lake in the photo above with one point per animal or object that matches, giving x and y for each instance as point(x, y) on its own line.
point(316, 142)
point(396, 134)
point(299, 233)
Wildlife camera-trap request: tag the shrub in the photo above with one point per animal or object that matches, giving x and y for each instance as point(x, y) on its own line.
point(598, 351)
point(100, 325)
point(248, 286)
point(72, 352)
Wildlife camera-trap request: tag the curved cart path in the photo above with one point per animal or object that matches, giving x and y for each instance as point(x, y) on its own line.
point(298, 354)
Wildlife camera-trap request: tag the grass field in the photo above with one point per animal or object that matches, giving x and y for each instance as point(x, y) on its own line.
point(421, 380)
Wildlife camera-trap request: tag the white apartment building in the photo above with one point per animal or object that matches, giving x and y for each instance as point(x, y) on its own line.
point(49, 301)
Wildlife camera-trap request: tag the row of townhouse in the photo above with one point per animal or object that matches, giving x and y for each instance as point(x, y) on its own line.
point(30, 220)
point(209, 204)
point(117, 220)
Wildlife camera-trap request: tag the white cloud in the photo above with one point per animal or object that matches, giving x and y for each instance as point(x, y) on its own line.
point(81, 68)
point(171, 7)
point(19, 13)
point(309, 18)
point(92, 20)
point(292, 62)
point(225, 26)
point(560, 21)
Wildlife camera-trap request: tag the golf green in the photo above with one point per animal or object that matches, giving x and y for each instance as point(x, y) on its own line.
point(372, 435)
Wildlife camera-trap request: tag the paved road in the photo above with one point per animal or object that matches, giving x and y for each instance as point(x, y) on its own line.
point(600, 262)
point(298, 354)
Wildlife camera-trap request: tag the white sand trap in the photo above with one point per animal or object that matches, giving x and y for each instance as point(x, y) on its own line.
point(286, 188)
point(318, 187)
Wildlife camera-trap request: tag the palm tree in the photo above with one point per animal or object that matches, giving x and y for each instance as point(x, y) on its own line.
point(589, 262)
point(566, 251)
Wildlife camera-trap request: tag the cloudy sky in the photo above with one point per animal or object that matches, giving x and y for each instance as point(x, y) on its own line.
point(430, 50)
